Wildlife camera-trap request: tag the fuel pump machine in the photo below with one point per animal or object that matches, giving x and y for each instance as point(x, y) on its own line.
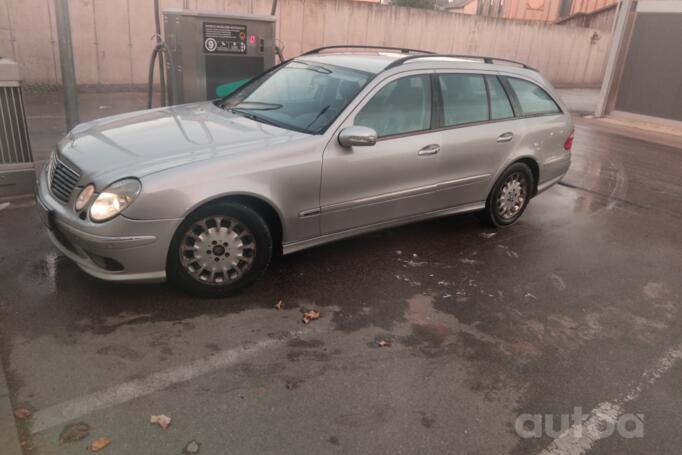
point(213, 53)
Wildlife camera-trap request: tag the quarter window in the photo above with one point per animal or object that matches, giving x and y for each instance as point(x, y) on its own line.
point(401, 106)
point(532, 99)
point(500, 107)
point(464, 99)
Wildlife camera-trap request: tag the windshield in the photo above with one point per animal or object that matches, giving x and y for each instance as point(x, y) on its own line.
point(299, 95)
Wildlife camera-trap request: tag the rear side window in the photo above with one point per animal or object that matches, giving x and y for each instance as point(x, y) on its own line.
point(500, 107)
point(401, 106)
point(464, 99)
point(533, 100)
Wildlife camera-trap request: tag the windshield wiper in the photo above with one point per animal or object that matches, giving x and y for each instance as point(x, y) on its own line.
point(316, 68)
point(260, 106)
point(257, 106)
point(317, 117)
point(254, 117)
point(257, 118)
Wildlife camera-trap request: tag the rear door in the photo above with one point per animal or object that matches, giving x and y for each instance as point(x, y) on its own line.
point(479, 132)
point(396, 177)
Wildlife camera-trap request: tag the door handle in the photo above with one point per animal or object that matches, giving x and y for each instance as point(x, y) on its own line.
point(429, 150)
point(505, 137)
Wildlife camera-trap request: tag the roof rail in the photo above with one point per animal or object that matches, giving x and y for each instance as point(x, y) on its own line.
point(403, 50)
point(489, 60)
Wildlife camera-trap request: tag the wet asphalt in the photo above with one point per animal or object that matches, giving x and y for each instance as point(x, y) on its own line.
point(568, 308)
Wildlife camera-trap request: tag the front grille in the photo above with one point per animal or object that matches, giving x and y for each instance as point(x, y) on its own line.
point(62, 180)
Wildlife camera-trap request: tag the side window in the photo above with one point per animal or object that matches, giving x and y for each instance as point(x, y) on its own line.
point(532, 98)
point(401, 106)
point(464, 98)
point(500, 107)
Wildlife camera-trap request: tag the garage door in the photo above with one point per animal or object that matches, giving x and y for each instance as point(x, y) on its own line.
point(651, 82)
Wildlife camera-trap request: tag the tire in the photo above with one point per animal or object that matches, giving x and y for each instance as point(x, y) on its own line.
point(219, 250)
point(498, 213)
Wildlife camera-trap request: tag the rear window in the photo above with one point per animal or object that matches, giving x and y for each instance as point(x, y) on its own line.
point(533, 100)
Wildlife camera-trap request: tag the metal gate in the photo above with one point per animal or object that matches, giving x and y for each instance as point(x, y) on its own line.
point(651, 83)
point(14, 144)
point(17, 174)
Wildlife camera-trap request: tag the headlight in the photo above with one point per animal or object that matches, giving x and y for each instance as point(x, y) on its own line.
point(115, 199)
point(84, 197)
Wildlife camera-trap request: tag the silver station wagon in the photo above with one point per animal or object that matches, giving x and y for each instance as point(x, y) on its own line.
point(336, 142)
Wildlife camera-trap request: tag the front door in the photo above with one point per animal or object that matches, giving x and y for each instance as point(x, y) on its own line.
point(393, 179)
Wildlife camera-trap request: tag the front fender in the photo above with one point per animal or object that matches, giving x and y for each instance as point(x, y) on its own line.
point(288, 180)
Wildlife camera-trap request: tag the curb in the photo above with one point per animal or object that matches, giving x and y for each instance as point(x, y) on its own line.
point(9, 439)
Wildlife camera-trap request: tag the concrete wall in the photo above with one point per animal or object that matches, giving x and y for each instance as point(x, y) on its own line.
point(112, 37)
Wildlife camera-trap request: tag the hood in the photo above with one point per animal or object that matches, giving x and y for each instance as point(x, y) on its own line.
point(140, 143)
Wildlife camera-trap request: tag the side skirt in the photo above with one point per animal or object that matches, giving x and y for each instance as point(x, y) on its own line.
point(308, 243)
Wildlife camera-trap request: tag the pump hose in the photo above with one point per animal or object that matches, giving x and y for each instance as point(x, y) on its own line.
point(150, 78)
point(161, 47)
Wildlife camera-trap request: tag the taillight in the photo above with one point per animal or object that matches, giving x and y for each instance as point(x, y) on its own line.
point(568, 145)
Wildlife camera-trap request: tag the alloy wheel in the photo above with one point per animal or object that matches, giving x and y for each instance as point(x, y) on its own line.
point(217, 250)
point(512, 196)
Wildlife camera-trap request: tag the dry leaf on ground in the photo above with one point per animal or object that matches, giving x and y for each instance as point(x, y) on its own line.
point(22, 413)
point(384, 343)
point(310, 315)
point(99, 444)
point(74, 432)
point(162, 420)
point(279, 305)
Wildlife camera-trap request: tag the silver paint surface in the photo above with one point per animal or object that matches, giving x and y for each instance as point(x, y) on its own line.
point(189, 155)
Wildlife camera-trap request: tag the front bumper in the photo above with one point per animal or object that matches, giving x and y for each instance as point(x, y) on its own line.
point(121, 249)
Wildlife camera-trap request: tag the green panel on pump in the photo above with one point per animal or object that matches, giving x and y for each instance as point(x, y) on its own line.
point(227, 89)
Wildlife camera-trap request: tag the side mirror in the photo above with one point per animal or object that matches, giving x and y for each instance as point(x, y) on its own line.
point(357, 136)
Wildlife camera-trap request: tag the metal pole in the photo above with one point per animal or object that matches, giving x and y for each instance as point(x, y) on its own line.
point(278, 51)
point(66, 61)
point(162, 67)
point(617, 38)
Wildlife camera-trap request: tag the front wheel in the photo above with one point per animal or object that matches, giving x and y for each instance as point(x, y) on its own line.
point(219, 250)
point(509, 197)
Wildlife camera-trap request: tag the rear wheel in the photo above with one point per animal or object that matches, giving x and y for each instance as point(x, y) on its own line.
point(219, 250)
point(509, 197)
